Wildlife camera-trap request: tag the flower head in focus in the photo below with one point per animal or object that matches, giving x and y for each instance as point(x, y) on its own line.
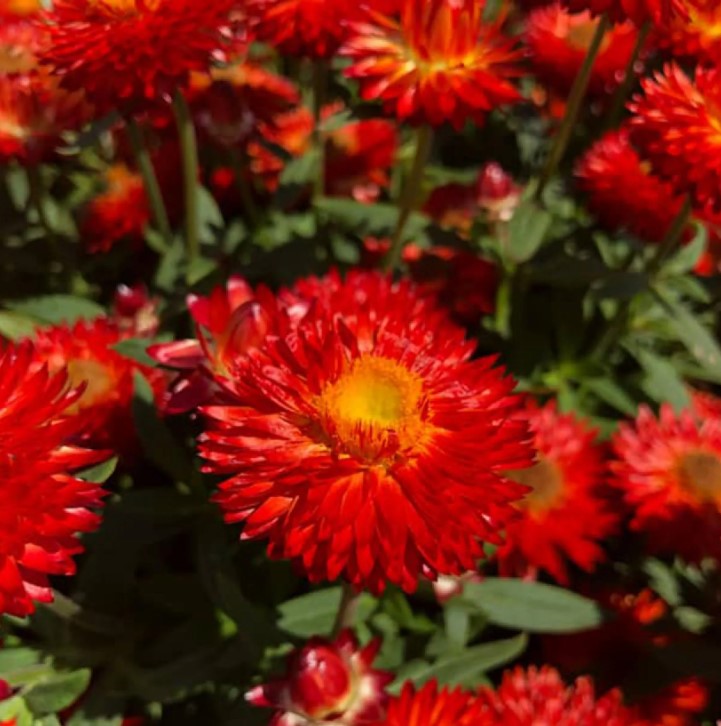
point(676, 126)
point(327, 681)
point(364, 442)
point(669, 471)
point(430, 705)
point(440, 62)
point(564, 517)
point(130, 55)
point(43, 505)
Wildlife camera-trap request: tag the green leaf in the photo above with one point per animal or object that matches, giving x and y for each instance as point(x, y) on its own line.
point(210, 218)
point(16, 711)
point(527, 230)
point(136, 349)
point(17, 659)
point(371, 219)
point(54, 309)
point(532, 606)
point(688, 256)
point(314, 613)
point(621, 285)
point(465, 667)
point(14, 326)
point(662, 381)
point(100, 473)
point(698, 340)
point(57, 692)
point(158, 443)
point(612, 394)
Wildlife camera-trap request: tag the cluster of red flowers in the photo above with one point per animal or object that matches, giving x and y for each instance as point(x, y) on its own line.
point(348, 417)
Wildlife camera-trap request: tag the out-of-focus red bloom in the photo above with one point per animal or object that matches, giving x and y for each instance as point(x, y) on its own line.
point(705, 405)
point(344, 432)
point(130, 54)
point(624, 194)
point(558, 42)
point(679, 704)
point(327, 681)
point(676, 126)
point(534, 696)
point(440, 62)
point(431, 706)
point(19, 9)
point(669, 471)
point(357, 156)
point(229, 104)
point(120, 212)
point(622, 191)
point(230, 322)
point(42, 504)
point(696, 36)
point(564, 517)
point(34, 113)
point(85, 350)
point(5, 690)
point(639, 11)
point(134, 311)
point(494, 195)
point(309, 28)
point(20, 42)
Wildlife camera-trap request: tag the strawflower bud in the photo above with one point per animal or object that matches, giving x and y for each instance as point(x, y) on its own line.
point(327, 681)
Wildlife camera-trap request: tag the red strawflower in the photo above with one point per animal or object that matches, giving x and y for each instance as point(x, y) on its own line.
point(229, 322)
point(539, 697)
point(358, 158)
point(85, 350)
point(120, 212)
point(679, 704)
point(327, 681)
point(229, 104)
point(5, 690)
point(18, 9)
point(20, 41)
point(130, 54)
point(135, 312)
point(440, 62)
point(639, 11)
point(34, 113)
point(564, 517)
point(676, 126)
point(622, 192)
point(558, 42)
point(42, 504)
point(346, 429)
point(696, 36)
point(669, 471)
point(431, 706)
point(309, 28)
point(705, 404)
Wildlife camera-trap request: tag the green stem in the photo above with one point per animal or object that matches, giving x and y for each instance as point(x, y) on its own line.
point(347, 609)
point(189, 155)
point(150, 180)
point(623, 91)
point(244, 189)
point(573, 107)
point(320, 91)
point(617, 325)
point(410, 196)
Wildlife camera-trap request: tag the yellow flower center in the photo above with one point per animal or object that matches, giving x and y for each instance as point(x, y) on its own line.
point(546, 482)
point(98, 380)
point(374, 409)
point(580, 36)
point(700, 475)
point(706, 22)
point(16, 58)
point(129, 7)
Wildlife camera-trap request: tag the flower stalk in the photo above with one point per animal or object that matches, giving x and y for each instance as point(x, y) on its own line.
point(573, 107)
point(409, 200)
